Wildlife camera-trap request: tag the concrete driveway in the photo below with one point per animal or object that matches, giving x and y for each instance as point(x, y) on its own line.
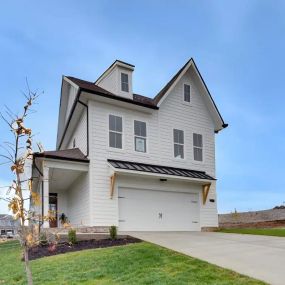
point(261, 257)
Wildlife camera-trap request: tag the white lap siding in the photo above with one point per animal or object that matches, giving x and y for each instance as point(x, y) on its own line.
point(104, 209)
point(61, 203)
point(80, 134)
point(195, 118)
point(70, 101)
point(78, 201)
point(160, 123)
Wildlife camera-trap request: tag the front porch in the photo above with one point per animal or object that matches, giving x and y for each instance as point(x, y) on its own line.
point(62, 182)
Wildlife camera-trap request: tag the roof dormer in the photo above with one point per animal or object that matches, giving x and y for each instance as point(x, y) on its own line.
point(117, 79)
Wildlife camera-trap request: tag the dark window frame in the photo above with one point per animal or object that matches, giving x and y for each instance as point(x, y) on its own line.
point(178, 144)
point(142, 135)
point(116, 133)
point(198, 154)
point(124, 82)
point(187, 93)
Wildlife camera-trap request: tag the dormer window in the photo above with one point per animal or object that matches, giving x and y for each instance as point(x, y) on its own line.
point(187, 93)
point(125, 82)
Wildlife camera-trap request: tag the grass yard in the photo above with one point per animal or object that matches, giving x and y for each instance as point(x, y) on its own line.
point(264, 232)
point(140, 263)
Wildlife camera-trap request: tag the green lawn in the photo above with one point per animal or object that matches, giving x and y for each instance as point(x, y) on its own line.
point(141, 263)
point(264, 232)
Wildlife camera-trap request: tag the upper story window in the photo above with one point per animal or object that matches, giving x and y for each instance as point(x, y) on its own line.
point(140, 136)
point(115, 131)
point(125, 82)
point(198, 147)
point(187, 96)
point(178, 139)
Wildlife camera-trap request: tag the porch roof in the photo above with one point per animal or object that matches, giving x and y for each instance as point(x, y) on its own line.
point(159, 169)
point(74, 154)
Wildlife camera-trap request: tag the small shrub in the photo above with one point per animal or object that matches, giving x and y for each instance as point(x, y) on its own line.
point(113, 232)
point(72, 239)
point(43, 238)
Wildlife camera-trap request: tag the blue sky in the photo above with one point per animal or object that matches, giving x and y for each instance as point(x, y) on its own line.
point(238, 46)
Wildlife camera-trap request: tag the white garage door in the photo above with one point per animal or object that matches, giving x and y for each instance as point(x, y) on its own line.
point(152, 210)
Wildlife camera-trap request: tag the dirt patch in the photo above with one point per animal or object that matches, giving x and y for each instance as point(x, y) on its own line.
point(266, 224)
point(277, 214)
point(50, 250)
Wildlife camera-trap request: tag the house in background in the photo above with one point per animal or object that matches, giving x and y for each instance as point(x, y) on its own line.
point(124, 159)
point(8, 226)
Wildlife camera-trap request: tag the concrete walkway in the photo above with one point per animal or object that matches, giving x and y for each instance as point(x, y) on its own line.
point(261, 257)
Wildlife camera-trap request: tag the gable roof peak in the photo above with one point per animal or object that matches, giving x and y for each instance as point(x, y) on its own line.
point(173, 81)
point(117, 62)
point(164, 90)
point(122, 62)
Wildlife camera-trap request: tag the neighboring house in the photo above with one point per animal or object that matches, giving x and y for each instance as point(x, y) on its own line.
point(124, 159)
point(8, 226)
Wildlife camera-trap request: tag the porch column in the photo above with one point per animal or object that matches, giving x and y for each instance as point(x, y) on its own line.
point(45, 193)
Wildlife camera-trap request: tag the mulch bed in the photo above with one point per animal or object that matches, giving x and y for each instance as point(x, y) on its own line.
point(49, 250)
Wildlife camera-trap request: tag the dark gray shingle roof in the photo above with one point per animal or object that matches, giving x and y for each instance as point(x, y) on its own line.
point(91, 87)
point(74, 154)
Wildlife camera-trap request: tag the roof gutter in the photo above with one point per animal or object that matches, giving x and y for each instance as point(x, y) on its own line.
point(61, 158)
point(207, 89)
point(35, 165)
point(77, 100)
point(223, 127)
point(87, 125)
point(118, 98)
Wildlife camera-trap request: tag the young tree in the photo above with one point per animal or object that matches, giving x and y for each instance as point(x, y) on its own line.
point(19, 154)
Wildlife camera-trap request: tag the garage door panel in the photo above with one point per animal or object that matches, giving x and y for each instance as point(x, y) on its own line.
point(152, 210)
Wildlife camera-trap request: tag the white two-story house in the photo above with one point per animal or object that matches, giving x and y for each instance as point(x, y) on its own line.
point(142, 164)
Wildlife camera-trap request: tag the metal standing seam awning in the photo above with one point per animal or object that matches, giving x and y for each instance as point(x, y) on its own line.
point(157, 170)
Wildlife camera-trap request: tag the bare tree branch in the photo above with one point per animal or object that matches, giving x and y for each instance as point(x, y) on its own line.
point(18, 153)
point(10, 113)
point(7, 157)
point(6, 121)
point(8, 151)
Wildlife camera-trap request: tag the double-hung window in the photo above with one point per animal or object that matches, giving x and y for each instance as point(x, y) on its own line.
point(115, 131)
point(124, 82)
point(140, 136)
point(187, 96)
point(178, 139)
point(198, 147)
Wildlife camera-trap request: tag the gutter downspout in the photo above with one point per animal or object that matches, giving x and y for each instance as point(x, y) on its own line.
point(87, 114)
point(77, 100)
point(70, 116)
